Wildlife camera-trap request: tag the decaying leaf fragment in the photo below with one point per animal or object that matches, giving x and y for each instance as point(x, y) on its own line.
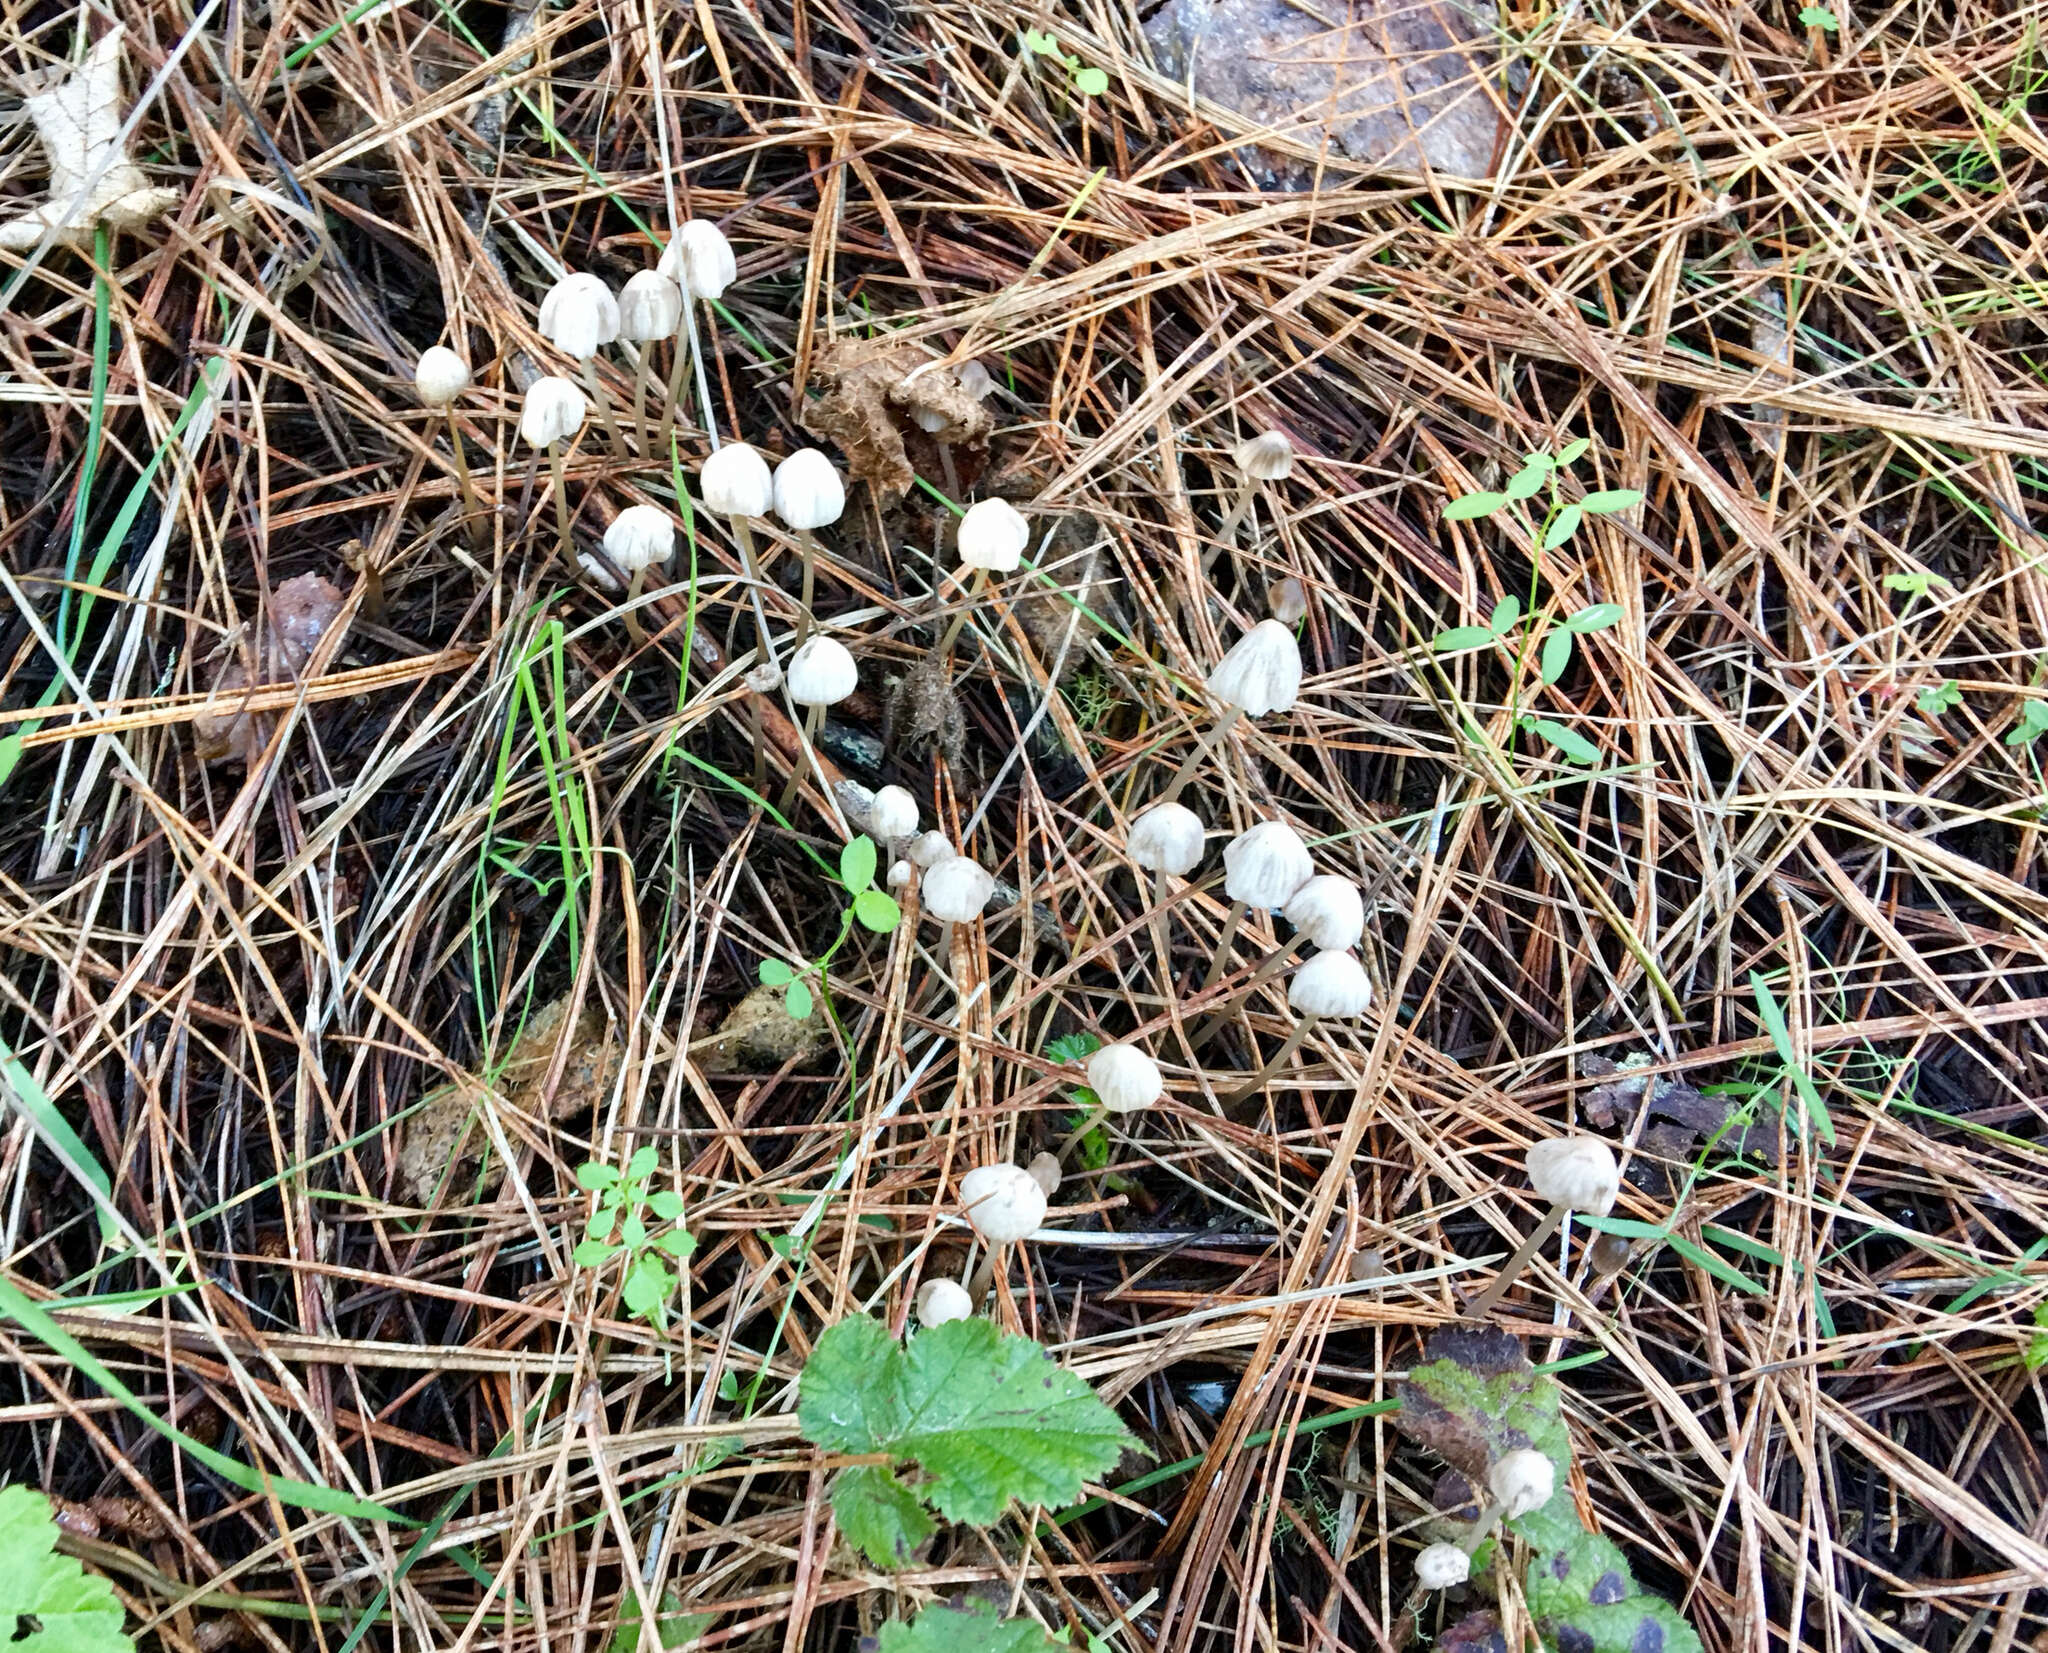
point(77, 114)
point(445, 1136)
point(275, 651)
point(875, 392)
point(759, 1034)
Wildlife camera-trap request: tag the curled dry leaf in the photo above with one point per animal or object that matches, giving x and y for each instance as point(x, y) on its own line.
point(271, 653)
point(1686, 1115)
point(77, 114)
point(872, 393)
point(445, 1135)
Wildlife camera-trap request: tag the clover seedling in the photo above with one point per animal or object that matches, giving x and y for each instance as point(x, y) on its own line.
point(620, 1226)
point(875, 910)
point(1934, 702)
point(1088, 83)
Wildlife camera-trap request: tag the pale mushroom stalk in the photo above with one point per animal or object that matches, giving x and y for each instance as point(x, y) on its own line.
point(1003, 1205)
point(559, 471)
point(814, 720)
point(992, 537)
point(1267, 457)
point(1278, 1060)
point(700, 261)
point(604, 407)
point(1513, 1267)
point(763, 681)
point(675, 384)
point(1186, 772)
point(821, 674)
point(1223, 944)
point(1574, 1173)
point(971, 600)
point(472, 511)
point(808, 495)
point(1332, 984)
point(441, 377)
point(1269, 967)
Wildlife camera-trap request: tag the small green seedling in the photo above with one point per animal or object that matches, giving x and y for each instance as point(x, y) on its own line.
point(1819, 17)
point(2033, 724)
point(986, 1417)
point(1916, 584)
point(69, 1609)
point(1091, 1148)
point(621, 1226)
point(1086, 82)
point(2035, 1355)
point(875, 910)
point(1933, 702)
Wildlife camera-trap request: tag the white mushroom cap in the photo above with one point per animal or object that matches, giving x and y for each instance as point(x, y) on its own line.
point(700, 260)
point(808, 492)
point(579, 316)
point(1329, 910)
point(1522, 1481)
point(1287, 601)
point(1264, 866)
point(554, 409)
point(993, 536)
point(765, 678)
point(1125, 1078)
point(1003, 1203)
point(650, 308)
point(929, 420)
point(639, 537)
point(1267, 457)
point(1167, 838)
point(955, 891)
point(1261, 673)
point(822, 673)
point(939, 1301)
point(899, 874)
point(1440, 1566)
point(1044, 1170)
point(928, 849)
point(892, 813)
point(975, 380)
point(1578, 1171)
point(440, 377)
point(1330, 984)
point(736, 482)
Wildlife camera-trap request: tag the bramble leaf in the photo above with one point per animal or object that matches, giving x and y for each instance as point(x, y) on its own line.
point(672, 1626)
point(973, 1629)
point(1557, 654)
point(1072, 1047)
point(1473, 505)
point(879, 1515)
point(877, 911)
point(77, 1611)
point(1625, 1627)
point(1461, 637)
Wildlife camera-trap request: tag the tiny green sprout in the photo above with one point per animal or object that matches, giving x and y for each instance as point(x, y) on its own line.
point(646, 1228)
point(1086, 82)
point(2035, 1355)
point(2032, 725)
point(872, 908)
point(1916, 584)
point(1933, 702)
point(1819, 17)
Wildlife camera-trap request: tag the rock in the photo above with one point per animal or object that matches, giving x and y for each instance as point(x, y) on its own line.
point(1388, 84)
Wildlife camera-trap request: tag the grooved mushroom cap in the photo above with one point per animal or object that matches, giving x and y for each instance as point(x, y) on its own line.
point(700, 260)
point(650, 308)
point(1125, 1078)
point(639, 537)
point(993, 536)
point(1167, 838)
point(956, 890)
point(1329, 910)
point(1264, 866)
point(1261, 673)
point(822, 673)
point(1438, 1567)
point(554, 409)
point(1521, 1481)
point(1578, 1171)
point(941, 1300)
point(928, 849)
point(1287, 601)
point(736, 482)
point(975, 380)
point(1044, 1170)
point(579, 316)
point(1330, 984)
point(1267, 457)
point(1003, 1203)
point(893, 813)
point(440, 377)
point(808, 492)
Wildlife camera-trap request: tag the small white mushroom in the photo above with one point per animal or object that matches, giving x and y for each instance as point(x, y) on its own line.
point(1574, 1173)
point(821, 674)
point(1002, 1203)
point(440, 377)
point(808, 495)
point(1521, 1481)
point(1167, 838)
point(1262, 867)
point(928, 849)
point(700, 260)
point(1125, 1078)
point(956, 890)
point(1260, 674)
point(1441, 1566)
point(939, 1301)
point(892, 815)
point(1330, 984)
point(554, 411)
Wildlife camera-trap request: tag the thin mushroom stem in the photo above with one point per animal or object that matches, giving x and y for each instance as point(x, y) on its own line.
point(814, 716)
point(675, 393)
point(643, 378)
point(470, 508)
point(745, 536)
point(633, 585)
point(560, 474)
point(946, 467)
point(760, 749)
point(1223, 941)
point(604, 407)
point(975, 588)
point(697, 363)
point(807, 547)
point(944, 950)
point(984, 1274)
point(1203, 747)
point(1226, 534)
point(1269, 967)
point(1158, 917)
point(1302, 1029)
point(1484, 1302)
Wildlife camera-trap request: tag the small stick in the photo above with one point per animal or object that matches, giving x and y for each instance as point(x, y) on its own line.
point(1302, 1029)
point(1223, 941)
point(1485, 1301)
point(604, 406)
point(555, 466)
point(1273, 963)
point(470, 508)
point(1203, 747)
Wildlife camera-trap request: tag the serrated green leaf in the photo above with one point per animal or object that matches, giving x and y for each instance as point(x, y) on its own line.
point(1611, 499)
point(877, 911)
point(797, 1001)
point(989, 1418)
point(1570, 742)
point(1573, 451)
point(77, 1610)
point(1773, 1019)
point(1528, 481)
point(666, 1204)
point(1072, 1047)
point(974, 1629)
point(1505, 613)
point(595, 1177)
point(672, 1626)
point(1473, 505)
point(1594, 617)
point(857, 864)
point(1557, 654)
point(774, 973)
point(593, 1253)
point(1819, 17)
point(1563, 527)
point(1091, 83)
point(1626, 1627)
point(880, 1515)
point(1461, 637)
